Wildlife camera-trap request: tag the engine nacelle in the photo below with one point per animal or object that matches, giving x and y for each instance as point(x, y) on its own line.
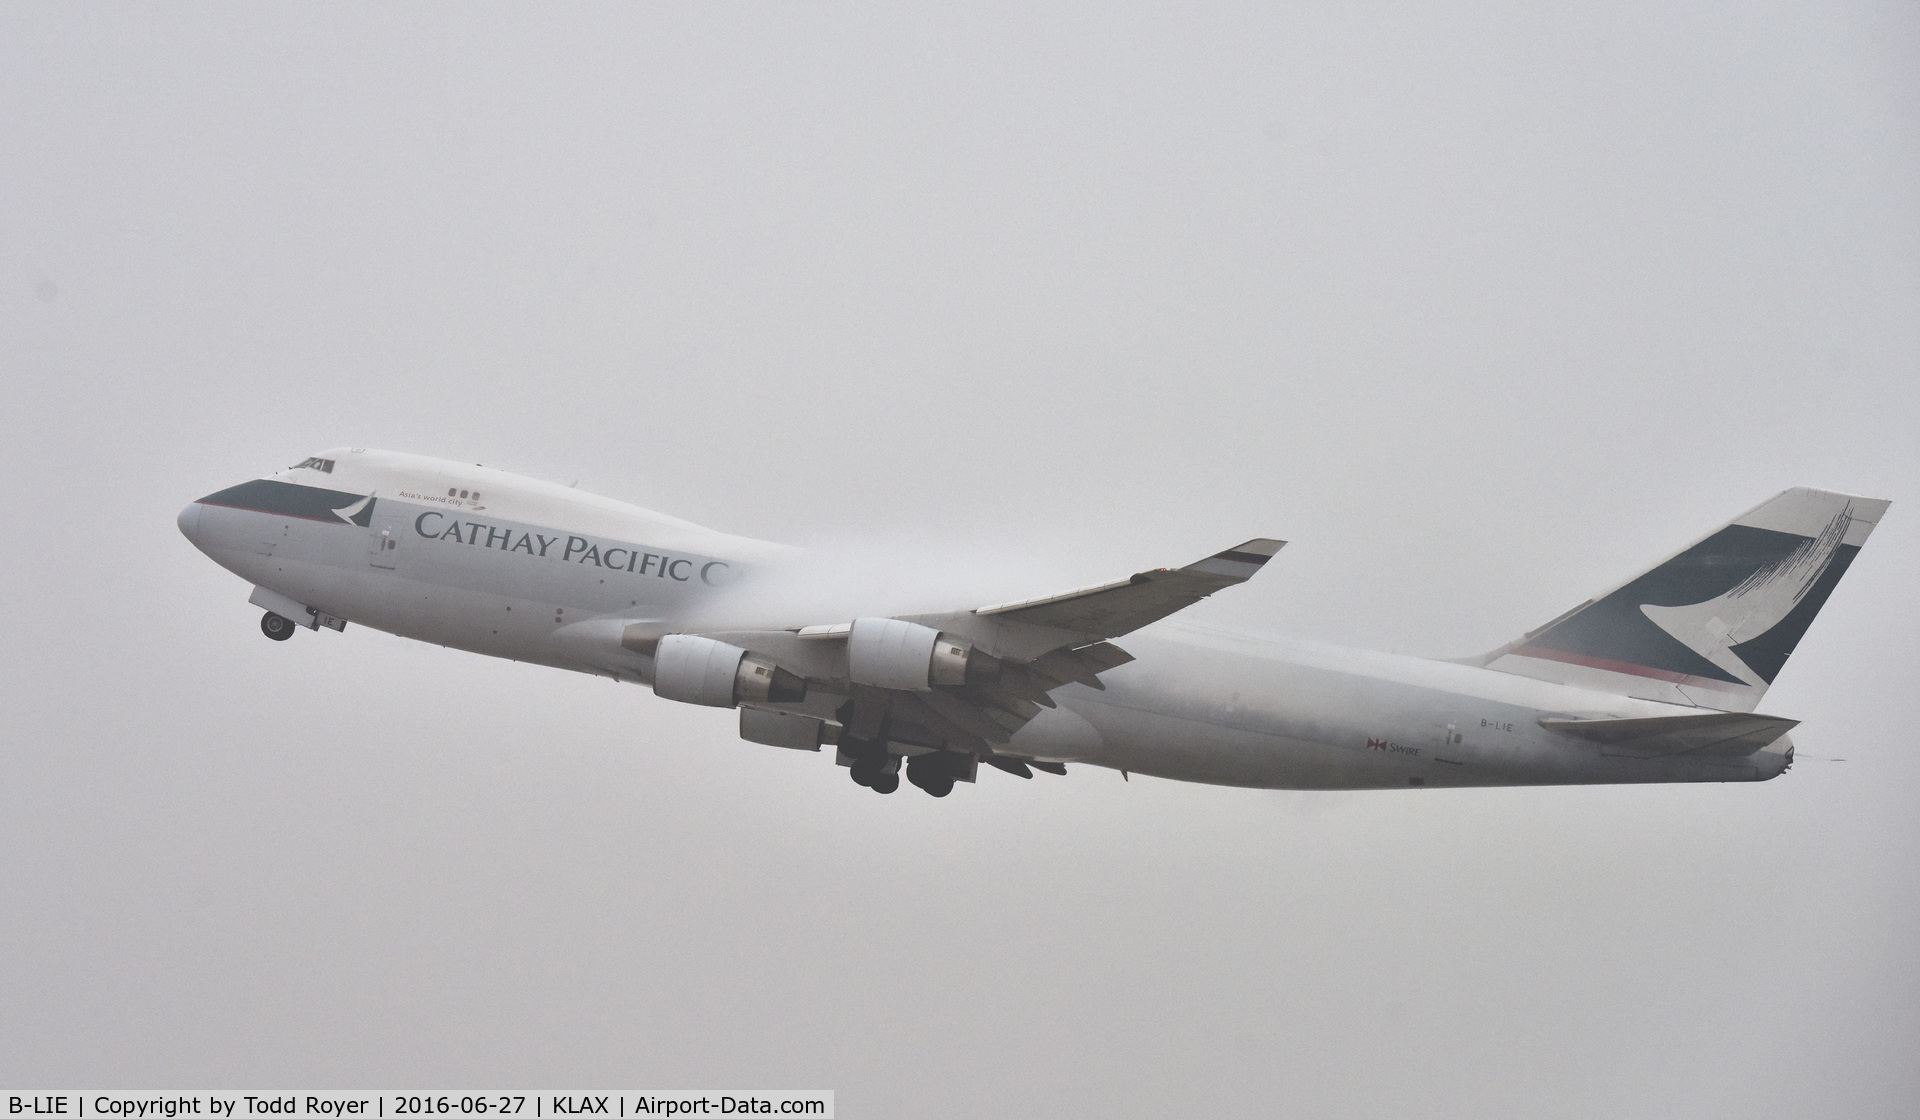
point(894, 653)
point(696, 670)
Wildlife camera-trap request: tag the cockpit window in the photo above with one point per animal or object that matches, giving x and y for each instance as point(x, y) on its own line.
point(325, 466)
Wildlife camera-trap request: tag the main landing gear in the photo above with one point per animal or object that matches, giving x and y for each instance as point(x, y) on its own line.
point(874, 767)
point(934, 772)
point(276, 627)
point(876, 779)
point(878, 769)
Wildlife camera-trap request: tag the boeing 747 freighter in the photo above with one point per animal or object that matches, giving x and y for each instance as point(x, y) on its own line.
point(1656, 680)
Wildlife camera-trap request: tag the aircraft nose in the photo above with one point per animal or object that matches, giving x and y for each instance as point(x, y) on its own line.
point(189, 522)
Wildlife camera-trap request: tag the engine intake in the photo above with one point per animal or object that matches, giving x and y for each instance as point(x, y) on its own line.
point(696, 670)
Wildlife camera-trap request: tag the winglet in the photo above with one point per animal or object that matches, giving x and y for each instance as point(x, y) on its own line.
point(1241, 561)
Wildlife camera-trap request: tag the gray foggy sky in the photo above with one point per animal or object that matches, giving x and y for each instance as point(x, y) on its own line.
point(1483, 308)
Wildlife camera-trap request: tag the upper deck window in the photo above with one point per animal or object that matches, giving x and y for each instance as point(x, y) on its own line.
point(325, 466)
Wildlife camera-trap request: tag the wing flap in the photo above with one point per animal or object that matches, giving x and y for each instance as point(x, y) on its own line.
point(976, 721)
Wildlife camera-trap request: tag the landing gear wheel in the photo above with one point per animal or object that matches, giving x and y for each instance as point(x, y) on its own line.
point(872, 766)
point(931, 773)
point(275, 627)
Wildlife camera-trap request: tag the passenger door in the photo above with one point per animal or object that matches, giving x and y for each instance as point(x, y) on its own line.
point(385, 547)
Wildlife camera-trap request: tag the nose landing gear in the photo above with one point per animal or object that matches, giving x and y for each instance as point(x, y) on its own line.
point(276, 627)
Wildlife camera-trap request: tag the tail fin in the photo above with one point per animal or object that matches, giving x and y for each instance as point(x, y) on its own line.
point(1713, 625)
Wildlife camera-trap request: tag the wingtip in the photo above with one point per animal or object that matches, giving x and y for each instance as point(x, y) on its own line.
point(1258, 546)
point(1240, 561)
point(1257, 551)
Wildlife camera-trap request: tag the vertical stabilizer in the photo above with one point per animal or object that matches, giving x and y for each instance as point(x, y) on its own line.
point(1713, 625)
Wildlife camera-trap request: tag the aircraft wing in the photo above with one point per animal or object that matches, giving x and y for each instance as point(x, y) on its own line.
point(1028, 628)
point(1109, 610)
point(1032, 647)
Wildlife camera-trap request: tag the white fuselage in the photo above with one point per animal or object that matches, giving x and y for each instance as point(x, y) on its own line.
point(536, 572)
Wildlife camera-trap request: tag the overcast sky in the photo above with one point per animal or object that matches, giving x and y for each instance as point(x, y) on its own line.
point(1484, 308)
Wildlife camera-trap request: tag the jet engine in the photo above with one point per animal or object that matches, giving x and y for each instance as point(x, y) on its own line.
point(695, 670)
point(894, 653)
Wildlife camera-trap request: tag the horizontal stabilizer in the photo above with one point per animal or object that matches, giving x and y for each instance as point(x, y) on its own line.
point(1726, 734)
